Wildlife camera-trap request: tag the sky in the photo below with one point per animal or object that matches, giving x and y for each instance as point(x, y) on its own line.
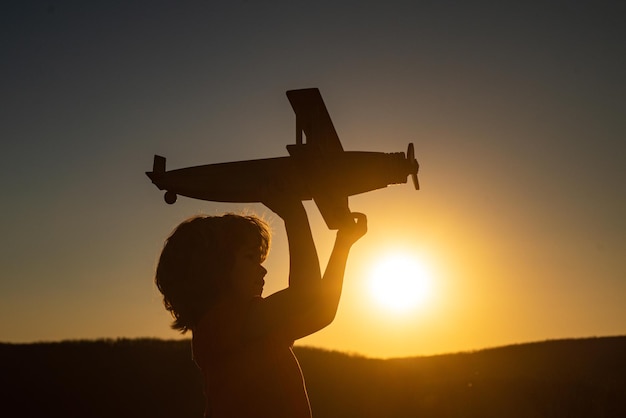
point(516, 111)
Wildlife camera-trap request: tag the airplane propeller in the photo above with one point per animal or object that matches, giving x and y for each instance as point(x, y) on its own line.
point(410, 156)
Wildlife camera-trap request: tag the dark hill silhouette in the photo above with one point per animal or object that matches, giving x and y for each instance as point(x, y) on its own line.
point(155, 378)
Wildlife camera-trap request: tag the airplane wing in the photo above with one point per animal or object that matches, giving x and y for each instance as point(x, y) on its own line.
point(313, 119)
point(334, 210)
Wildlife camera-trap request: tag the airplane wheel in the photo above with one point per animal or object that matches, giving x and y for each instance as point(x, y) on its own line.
point(170, 198)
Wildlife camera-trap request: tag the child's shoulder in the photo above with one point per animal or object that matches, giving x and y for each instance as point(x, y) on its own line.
point(221, 326)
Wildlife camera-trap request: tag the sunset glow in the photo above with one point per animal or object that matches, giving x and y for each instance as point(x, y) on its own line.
point(515, 110)
point(399, 283)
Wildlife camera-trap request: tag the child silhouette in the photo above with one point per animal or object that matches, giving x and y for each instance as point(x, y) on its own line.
point(211, 276)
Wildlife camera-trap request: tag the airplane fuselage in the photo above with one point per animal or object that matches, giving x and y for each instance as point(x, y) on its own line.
point(344, 173)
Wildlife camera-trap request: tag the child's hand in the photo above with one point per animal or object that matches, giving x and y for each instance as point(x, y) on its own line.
point(351, 232)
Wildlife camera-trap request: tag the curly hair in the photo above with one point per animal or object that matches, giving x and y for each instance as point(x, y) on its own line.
point(196, 260)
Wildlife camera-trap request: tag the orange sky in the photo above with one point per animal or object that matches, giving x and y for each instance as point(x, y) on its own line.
point(515, 113)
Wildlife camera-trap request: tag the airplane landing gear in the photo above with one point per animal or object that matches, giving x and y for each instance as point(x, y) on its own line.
point(170, 198)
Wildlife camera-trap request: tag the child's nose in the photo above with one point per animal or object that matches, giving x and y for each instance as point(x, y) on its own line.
point(264, 270)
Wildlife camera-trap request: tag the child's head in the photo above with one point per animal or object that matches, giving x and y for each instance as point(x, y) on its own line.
point(196, 261)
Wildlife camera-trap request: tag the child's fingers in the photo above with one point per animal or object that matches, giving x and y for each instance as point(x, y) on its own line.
point(359, 218)
point(360, 223)
point(353, 231)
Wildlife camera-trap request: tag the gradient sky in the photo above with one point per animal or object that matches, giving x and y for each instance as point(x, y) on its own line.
point(516, 110)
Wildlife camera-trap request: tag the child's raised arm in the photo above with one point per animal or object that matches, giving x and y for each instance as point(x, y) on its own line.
point(304, 266)
point(310, 302)
point(332, 282)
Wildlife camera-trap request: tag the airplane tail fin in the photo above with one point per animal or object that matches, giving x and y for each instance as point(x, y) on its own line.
point(158, 166)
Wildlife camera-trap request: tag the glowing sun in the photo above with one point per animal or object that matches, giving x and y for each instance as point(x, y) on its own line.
point(399, 282)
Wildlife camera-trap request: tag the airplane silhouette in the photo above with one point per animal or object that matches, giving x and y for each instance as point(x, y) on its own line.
point(317, 168)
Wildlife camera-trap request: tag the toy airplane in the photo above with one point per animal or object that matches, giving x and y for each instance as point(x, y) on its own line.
point(317, 168)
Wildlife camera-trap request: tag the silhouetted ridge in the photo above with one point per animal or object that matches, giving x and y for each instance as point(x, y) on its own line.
point(156, 378)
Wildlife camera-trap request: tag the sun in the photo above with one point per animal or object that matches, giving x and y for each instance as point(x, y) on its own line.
point(400, 282)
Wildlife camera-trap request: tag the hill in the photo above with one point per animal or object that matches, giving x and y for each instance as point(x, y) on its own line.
point(155, 378)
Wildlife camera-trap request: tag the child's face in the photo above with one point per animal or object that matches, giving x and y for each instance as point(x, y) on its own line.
point(247, 273)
